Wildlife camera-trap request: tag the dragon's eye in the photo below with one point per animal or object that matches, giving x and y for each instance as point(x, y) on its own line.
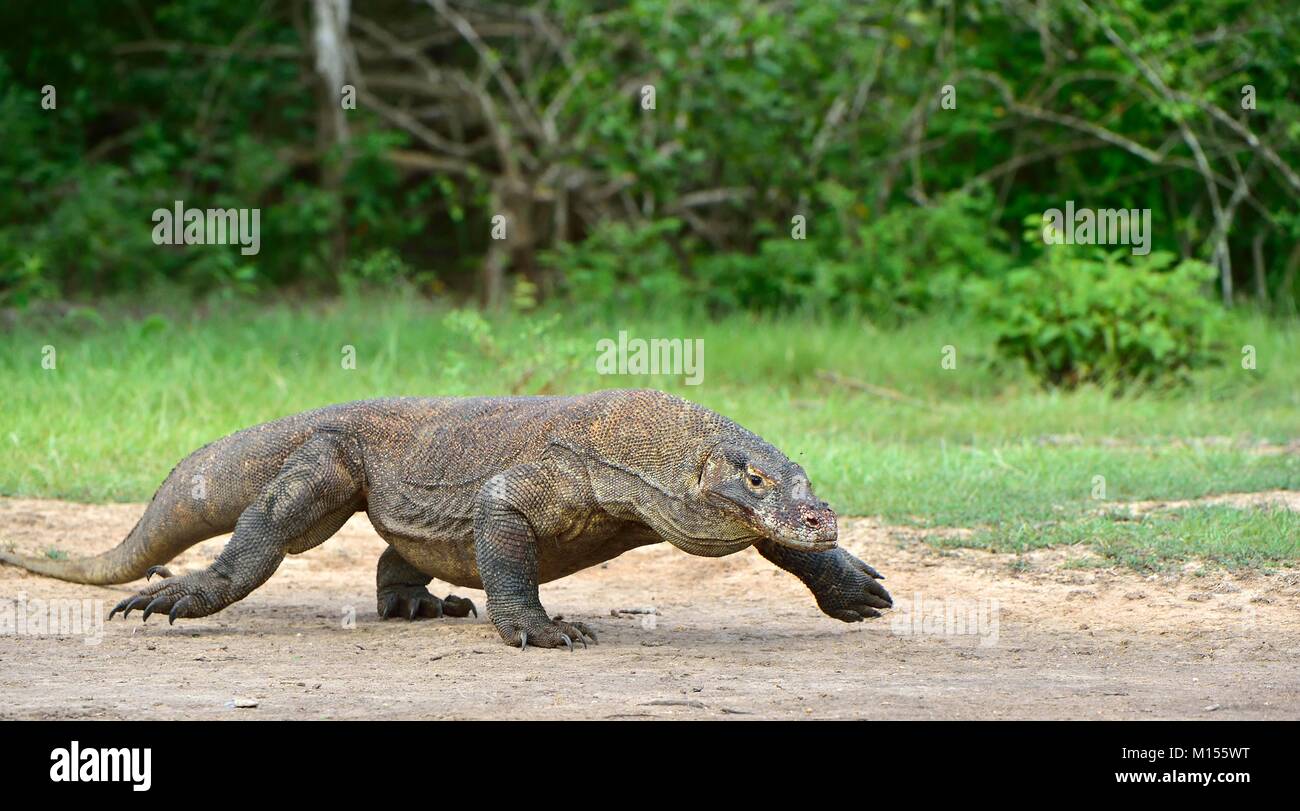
point(755, 480)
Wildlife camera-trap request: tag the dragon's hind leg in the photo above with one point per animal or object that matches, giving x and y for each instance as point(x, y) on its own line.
point(402, 592)
point(317, 489)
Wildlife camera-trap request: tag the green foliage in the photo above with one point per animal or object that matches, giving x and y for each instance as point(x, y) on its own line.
point(765, 109)
point(909, 261)
point(1081, 315)
point(23, 278)
point(622, 267)
point(382, 270)
point(215, 124)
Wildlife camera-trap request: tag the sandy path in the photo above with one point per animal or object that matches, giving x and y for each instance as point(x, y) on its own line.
point(732, 638)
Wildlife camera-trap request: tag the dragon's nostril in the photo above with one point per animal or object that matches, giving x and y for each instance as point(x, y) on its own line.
point(811, 520)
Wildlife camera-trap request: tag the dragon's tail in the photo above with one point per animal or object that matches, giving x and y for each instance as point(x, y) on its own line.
point(201, 498)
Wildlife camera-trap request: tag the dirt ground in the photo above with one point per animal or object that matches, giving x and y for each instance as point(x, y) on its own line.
point(730, 638)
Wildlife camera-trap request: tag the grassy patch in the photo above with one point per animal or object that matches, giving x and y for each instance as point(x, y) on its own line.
point(1224, 536)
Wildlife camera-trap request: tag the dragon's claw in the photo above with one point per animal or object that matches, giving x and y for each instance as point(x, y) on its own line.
point(176, 609)
point(454, 606)
point(415, 602)
point(156, 604)
point(547, 633)
point(852, 594)
point(194, 595)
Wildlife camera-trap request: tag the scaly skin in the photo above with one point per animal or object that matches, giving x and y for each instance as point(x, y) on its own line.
point(494, 493)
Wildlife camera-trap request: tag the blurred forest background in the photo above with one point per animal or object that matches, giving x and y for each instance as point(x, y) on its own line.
point(762, 110)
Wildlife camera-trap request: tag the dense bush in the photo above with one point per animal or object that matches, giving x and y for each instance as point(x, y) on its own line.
point(911, 260)
point(622, 266)
point(1088, 316)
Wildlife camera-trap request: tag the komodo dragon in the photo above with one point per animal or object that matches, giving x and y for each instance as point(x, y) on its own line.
point(494, 493)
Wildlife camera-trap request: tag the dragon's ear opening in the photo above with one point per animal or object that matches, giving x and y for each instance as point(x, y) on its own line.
point(717, 465)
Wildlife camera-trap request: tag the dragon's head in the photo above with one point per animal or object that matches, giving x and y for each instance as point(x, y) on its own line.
point(753, 486)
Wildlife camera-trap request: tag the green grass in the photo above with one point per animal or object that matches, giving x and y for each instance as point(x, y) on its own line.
point(1226, 536)
point(979, 445)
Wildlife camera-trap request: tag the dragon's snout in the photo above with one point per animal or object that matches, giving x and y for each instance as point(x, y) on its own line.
point(819, 519)
point(808, 526)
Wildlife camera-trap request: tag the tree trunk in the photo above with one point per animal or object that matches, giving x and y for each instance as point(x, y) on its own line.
point(330, 43)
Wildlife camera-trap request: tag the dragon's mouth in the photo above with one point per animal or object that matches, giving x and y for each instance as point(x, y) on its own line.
point(747, 513)
point(793, 541)
point(788, 536)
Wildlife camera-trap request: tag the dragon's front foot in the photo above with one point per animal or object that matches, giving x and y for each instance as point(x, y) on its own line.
point(850, 592)
point(543, 632)
point(192, 595)
point(415, 602)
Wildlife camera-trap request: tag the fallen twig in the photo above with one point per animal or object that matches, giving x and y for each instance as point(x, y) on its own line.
point(869, 388)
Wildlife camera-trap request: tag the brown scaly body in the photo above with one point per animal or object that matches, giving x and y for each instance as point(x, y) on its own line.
point(493, 493)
